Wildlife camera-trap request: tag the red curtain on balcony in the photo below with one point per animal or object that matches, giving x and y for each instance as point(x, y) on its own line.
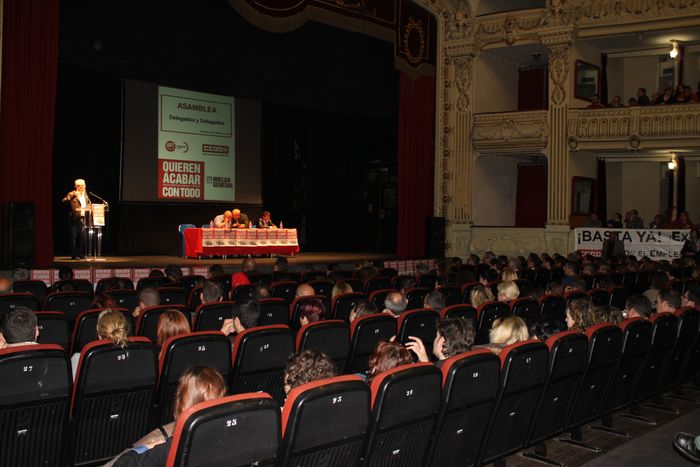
point(532, 88)
point(29, 65)
point(531, 196)
point(416, 157)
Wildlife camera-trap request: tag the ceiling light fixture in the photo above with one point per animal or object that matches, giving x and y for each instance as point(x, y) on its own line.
point(674, 49)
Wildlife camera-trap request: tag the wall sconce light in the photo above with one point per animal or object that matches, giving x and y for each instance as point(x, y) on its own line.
point(672, 164)
point(674, 50)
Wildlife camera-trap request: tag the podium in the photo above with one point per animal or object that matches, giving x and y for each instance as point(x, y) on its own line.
point(95, 216)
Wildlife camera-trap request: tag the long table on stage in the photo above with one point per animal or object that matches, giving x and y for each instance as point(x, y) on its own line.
point(219, 242)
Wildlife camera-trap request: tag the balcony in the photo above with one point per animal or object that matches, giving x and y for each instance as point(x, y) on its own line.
point(510, 132)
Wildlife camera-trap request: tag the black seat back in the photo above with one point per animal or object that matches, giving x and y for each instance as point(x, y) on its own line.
point(69, 303)
point(417, 323)
point(365, 334)
point(453, 295)
point(13, 300)
point(470, 385)
point(355, 284)
point(241, 293)
point(322, 287)
point(377, 283)
point(147, 322)
point(486, 314)
point(332, 337)
point(260, 356)
point(119, 282)
point(523, 373)
point(285, 290)
point(53, 329)
point(211, 316)
point(553, 308)
point(467, 292)
point(34, 287)
point(34, 405)
point(464, 311)
point(308, 437)
point(426, 280)
point(618, 297)
point(172, 296)
point(599, 297)
point(125, 298)
point(343, 304)
point(416, 297)
point(273, 311)
point(526, 308)
point(686, 337)
point(259, 278)
point(663, 339)
point(190, 282)
point(152, 282)
point(112, 397)
point(398, 436)
point(244, 428)
point(181, 352)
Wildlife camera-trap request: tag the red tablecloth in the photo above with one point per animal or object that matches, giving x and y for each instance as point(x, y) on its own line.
point(218, 242)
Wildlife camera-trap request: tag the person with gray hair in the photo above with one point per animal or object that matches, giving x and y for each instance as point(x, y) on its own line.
point(79, 201)
point(395, 304)
point(435, 300)
point(147, 297)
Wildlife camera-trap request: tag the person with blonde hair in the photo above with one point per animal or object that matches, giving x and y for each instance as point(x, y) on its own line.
point(509, 274)
point(507, 331)
point(112, 326)
point(197, 384)
point(479, 295)
point(340, 288)
point(507, 291)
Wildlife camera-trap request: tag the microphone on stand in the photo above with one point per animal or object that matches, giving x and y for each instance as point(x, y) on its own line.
point(98, 197)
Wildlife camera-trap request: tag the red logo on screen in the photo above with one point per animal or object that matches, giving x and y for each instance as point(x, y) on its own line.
point(170, 146)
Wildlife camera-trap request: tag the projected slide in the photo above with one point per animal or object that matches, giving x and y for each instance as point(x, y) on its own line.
point(196, 153)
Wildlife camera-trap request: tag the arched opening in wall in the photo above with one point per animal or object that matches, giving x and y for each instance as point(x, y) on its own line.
point(510, 190)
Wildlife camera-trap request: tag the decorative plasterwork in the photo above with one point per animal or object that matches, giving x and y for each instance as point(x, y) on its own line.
point(600, 12)
point(464, 72)
point(507, 28)
point(510, 132)
point(558, 72)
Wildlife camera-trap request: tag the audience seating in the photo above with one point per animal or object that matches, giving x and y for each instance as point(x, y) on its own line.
point(101, 284)
point(245, 429)
point(34, 404)
point(273, 311)
point(568, 354)
point(377, 283)
point(285, 290)
point(553, 308)
point(295, 308)
point(259, 278)
point(365, 334)
point(467, 312)
point(85, 327)
point(600, 297)
point(397, 281)
point(416, 297)
point(181, 352)
point(286, 276)
point(152, 282)
point(112, 397)
point(325, 423)
point(12, 300)
point(526, 308)
point(405, 403)
point(417, 323)
point(691, 366)
point(194, 299)
point(147, 321)
point(686, 338)
point(426, 280)
point(211, 316)
point(34, 287)
point(260, 356)
point(224, 280)
point(486, 314)
point(53, 329)
point(618, 297)
point(378, 297)
point(322, 287)
point(124, 298)
point(604, 351)
point(172, 296)
point(332, 337)
point(355, 284)
point(388, 272)
point(308, 276)
point(469, 386)
point(467, 292)
point(242, 293)
point(190, 282)
point(523, 373)
point(70, 303)
point(453, 295)
point(343, 304)
point(73, 285)
point(575, 295)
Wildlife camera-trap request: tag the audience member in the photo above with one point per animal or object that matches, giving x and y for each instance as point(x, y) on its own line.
point(507, 331)
point(340, 288)
point(5, 285)
point(579, 315)
point(172, 272)
point(616, 102)
point(642, 98)
point(666, 98)
point(452, 337)
point(638, 306)
point(197, 384)
point(22, 274)
point(18, 327)
point(507, 291)
point(245, 315)
point(364, 307)
point(615, 222)
point(509, 274)
point(239, 278)
point(607, 314)
point(65, 273)
point(594, 221)
point(612, 247)
point(595, 102)
point(658, 222)
point(211, 292)
point(668, 301)
point(395, 303)
point(112, 326)
point(311, 311)
point(659, 281)
point(215, 270)
point(249, 265)
point(147, 297)
point(305, 367)
point(682, 221)
point(304, 290)
point(435, 300)
point(479, 295)
point(171, 323)
point(632, 102)
point(262, 290)
point(387, 355)
point(691, 296)
point(546, 327)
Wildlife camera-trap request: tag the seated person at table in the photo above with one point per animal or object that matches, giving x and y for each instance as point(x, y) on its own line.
point(239, 220)
point(223, 221)
point(265, 222)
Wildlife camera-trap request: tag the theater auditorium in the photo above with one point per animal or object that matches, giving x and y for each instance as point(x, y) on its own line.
point(350, 233)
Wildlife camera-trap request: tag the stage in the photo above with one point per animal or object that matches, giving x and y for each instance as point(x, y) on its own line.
point(301, 260)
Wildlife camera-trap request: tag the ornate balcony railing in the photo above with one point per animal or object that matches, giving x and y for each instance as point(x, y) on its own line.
point(510, 132)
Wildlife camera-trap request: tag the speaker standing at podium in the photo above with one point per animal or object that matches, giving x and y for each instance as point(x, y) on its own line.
point(78, 200)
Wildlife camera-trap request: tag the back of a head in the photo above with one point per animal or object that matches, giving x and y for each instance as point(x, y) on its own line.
point(156, 273)
point(692, 294)
point(508, 289)
point(281, 264)
point(458, 333)
point(307, 366)
point(407, 283)
point(422, 268)
point(248, 265)
point(248, 312)
point(395, 302)
point(546, 327)
point(313, 310)
point(22, 274)
point(18, 325)
point(640, 304)
point(5, 285)
point(215, 270)
point(113, 326)
point(197, 384)
point(581, 314)
point(435, 300)
point(479, 295)
point(509, 274)
point(172, 272)
point(171, 323)
point(149, 296)
point(341, 288)
point(387, 355)
point(607, 314)
point(363, 308)
point(507, 331)
point(671, 297)
point(211, 292)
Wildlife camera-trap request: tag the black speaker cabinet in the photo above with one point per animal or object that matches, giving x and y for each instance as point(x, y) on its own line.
point(17, 235)
point(435, 237)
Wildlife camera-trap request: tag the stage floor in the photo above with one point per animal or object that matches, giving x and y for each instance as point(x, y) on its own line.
point(300, 259)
